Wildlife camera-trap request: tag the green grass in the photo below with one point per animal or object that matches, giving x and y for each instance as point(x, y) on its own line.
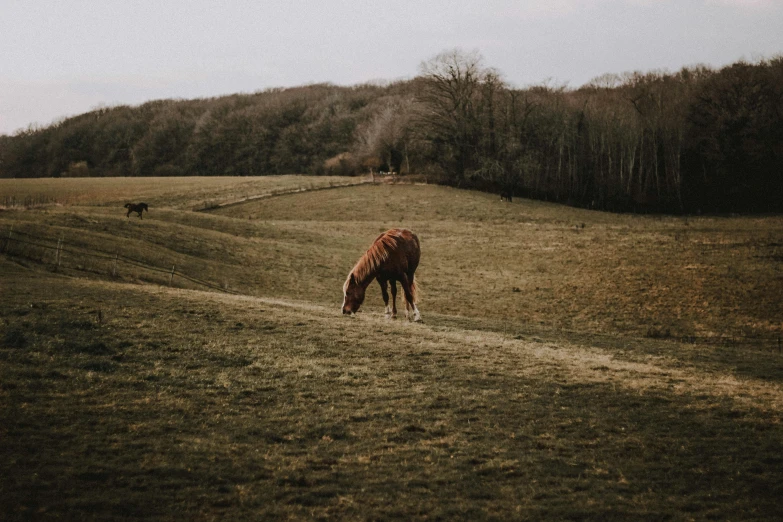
point(129, 401)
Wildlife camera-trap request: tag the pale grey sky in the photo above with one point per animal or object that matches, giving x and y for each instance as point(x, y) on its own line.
point(64, 57)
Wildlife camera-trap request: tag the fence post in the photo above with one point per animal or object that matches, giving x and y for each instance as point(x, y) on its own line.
point(59, 250)
point(171, 277)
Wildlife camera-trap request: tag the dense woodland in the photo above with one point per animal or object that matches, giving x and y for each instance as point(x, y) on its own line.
point(698, 140)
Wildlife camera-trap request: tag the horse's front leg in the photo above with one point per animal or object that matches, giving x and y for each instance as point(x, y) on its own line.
point(394, 298)
point(385, 294)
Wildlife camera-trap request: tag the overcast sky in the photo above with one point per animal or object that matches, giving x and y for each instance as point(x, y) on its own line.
point(64, 57)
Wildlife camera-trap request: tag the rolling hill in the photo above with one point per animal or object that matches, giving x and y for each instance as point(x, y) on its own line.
point(571, 363)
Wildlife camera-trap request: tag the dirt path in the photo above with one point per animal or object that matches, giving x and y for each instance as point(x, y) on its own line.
point(572, 362)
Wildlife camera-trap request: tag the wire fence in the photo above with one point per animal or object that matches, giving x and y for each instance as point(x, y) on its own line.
point(28, 201)
point(61, 255)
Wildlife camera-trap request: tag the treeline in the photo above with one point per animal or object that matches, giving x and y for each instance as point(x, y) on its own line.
point(699, 140)
point(278, 131)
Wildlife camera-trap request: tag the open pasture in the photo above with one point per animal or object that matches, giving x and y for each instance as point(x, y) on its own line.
point(537, 264)
point(185, 193)
point(549, 380)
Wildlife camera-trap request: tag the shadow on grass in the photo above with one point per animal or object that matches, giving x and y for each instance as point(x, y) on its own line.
point(465, 445)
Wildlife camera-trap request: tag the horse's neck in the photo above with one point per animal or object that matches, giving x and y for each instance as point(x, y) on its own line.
point(367, 279)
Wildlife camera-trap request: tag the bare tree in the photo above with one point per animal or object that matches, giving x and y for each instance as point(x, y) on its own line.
point(452, 82)
point(384, 138)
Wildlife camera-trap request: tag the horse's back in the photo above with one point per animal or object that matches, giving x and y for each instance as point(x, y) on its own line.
point(404, 257)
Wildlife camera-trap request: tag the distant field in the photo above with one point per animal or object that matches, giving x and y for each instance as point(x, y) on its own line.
point(180, 193)
point(526, 265)
point(571, 364)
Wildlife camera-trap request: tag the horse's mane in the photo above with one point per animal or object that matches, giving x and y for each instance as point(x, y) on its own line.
point(375, 255)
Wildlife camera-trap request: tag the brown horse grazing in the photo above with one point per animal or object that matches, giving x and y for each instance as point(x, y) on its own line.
point(136, 207)
point(393, 257)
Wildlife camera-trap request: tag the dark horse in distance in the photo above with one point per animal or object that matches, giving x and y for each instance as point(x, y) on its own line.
point(393, 256)
point(136, 207)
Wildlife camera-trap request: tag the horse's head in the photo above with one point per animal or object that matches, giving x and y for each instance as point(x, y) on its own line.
point(127, 205)
point(353, 295)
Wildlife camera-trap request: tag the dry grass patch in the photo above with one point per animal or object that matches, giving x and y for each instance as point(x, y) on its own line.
point(527, 266)
point(183, 193)
point(546, 382)
point(188, 404)
point(542, 265)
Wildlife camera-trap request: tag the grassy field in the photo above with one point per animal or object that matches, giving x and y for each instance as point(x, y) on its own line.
point(177, 193)
point(571, 364)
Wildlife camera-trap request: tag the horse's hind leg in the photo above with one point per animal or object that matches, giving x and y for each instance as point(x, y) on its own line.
point(385, 293)
point(409, 304)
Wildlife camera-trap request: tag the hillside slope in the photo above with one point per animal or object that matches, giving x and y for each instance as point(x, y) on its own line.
point(571, 364)
point(527, 265)
point(138, 401)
